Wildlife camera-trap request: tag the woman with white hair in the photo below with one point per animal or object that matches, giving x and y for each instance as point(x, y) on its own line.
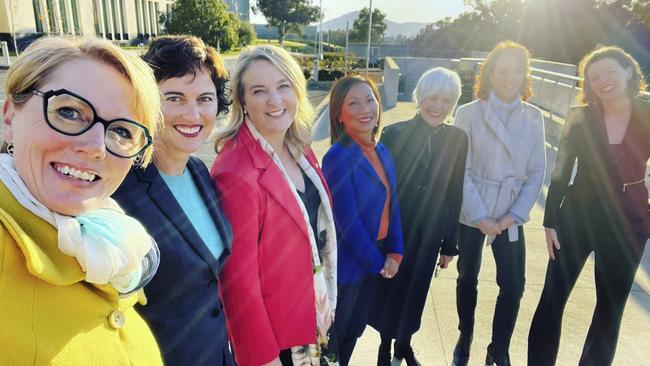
point(429, 156)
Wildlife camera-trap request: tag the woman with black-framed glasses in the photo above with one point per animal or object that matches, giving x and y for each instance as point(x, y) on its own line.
point(177, 202)
point(72, 264)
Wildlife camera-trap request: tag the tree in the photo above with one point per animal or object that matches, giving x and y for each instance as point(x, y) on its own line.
point(246, 33)
point(287, 15)
point(206, 19)
point(359, 32)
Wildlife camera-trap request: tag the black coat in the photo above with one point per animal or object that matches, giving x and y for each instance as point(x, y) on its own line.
point(596, 200)
point(430, 164)
point(184, 310)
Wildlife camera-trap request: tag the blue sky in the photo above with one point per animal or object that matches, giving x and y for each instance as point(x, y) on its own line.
point(424, 11)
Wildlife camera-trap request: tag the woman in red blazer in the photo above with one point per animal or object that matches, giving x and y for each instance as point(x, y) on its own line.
point(279, 285)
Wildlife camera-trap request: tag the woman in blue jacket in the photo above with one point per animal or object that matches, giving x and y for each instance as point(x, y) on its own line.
point(361, 177)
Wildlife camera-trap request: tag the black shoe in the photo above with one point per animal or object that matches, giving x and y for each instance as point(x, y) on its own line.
point(461, 351)
point(407, 355)
point(383, 355)
point(491, 359)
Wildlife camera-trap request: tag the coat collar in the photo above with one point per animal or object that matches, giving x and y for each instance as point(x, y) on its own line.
point(271, 178)
point(163, 198)
point(38, 242)
point(361, 160)
point(419, 133)
point(498, 127)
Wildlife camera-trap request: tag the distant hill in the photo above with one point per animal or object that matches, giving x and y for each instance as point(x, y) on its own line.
point(409, 29)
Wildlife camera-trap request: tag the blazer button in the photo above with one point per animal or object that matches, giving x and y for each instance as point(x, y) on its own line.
point(116, 319)
point(215, 312)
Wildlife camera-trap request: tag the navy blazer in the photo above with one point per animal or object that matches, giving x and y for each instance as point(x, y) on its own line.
point(184, 310)
point(358, 196)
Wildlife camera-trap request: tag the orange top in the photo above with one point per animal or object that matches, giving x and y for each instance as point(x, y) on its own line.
point(368, 149)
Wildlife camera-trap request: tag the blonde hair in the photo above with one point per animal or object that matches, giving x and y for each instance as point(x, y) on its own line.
point(43, 57)
point(299, 134)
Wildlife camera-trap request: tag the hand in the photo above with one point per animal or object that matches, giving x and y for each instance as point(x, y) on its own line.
point(551, 242)
point(444, 261)
point(489, 227)
point(390, 268)
point(275, 362)
point(506, 221)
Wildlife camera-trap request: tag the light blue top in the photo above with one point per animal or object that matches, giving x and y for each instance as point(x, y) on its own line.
point(188, 196)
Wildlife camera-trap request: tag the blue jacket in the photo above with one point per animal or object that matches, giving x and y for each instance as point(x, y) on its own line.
point(184, 310)
point(358, 197)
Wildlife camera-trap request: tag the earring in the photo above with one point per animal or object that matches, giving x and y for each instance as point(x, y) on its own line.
point(138, 160)
point(10, 149)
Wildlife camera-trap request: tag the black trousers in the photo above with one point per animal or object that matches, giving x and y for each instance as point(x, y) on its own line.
point(616, 260)
point(510, 258)
point(353, 306)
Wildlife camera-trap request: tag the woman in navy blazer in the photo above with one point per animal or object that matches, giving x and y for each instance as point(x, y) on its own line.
point(175, 200)
point(361, 176)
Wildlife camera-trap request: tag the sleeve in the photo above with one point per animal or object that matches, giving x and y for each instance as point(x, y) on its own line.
point(454, 199)
point(535, 171)
point(337, 171)
point(250, 329)
point(564, 162)
point(473, 206)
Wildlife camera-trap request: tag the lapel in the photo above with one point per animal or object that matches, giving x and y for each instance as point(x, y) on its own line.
point(497, 127)
point(384, 157)
point(210, 196)
point(359, 159)
point(163, 198)
point(272, 179)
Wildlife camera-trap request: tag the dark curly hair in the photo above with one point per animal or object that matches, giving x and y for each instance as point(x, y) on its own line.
point(177, 56)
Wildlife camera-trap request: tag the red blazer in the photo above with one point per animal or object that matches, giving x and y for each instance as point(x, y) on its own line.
point(267, 284)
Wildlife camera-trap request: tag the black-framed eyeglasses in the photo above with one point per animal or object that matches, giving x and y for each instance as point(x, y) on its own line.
point(72, 115)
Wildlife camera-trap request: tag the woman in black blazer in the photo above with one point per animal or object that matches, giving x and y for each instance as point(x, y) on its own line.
point(429, 156)
point(177, 202)
point(604, 211)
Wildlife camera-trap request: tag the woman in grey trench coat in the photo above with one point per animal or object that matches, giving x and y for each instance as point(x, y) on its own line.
point(503, 177)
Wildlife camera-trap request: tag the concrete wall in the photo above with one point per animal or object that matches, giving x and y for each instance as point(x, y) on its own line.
point(411, 68)
point(391, 82)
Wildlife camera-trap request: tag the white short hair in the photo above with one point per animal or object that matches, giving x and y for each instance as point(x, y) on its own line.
point(438, 80)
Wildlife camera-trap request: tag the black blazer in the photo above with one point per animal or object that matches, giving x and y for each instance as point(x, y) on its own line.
point(184, 310)
point(596, 197)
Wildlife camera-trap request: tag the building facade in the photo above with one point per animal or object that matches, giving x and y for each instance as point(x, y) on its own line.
point(240, 7)
point(126, 21)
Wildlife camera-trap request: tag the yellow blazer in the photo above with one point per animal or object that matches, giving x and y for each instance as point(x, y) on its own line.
point(49, 314)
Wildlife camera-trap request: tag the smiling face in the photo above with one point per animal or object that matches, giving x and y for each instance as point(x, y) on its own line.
point(435, 108)
point(608, 79)
point(508, 76)
point(190, 108)
point(268, 99)
point(360, 111)
point(71, 174)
